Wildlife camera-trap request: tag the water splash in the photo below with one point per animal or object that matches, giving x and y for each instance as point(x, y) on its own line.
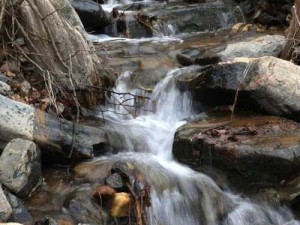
point(180, 196)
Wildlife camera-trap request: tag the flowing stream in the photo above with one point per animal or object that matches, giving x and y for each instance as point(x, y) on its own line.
point(141, 126)
point(144, 129)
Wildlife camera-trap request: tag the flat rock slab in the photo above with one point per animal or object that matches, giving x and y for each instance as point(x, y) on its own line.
point(20, 166)
point(255, 146)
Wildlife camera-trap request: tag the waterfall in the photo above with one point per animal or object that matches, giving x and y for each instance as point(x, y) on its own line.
point(179, 195)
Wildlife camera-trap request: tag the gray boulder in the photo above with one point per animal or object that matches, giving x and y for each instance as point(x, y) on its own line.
point(20, 167)
point(5, 208)
point(18, 120)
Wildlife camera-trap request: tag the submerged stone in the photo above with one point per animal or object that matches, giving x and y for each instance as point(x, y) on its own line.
point(80, 205)
point(115, 180)
point(19, 212)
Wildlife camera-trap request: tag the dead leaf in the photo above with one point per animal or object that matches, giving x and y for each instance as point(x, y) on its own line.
point(9, 74)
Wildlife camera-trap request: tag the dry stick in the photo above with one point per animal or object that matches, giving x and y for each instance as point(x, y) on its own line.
point(24, 33)
point(47, 80)
point(238, 89)
point(54, 12)
point(3, 6)
point(240, 84)
point(77, 109)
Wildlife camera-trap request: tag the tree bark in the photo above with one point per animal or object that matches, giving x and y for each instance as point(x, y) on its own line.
point(57, 45)
point(291, 48)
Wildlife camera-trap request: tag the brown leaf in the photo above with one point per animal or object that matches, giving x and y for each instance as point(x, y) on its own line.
point(9, 74)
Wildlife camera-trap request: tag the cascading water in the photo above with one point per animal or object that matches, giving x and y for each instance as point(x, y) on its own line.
point(144, 127)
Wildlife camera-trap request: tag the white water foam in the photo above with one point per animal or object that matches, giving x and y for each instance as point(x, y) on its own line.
point(179, 195)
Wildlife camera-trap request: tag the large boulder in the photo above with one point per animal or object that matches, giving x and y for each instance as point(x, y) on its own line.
point(265, 84)
point(91, 15)
point(259, 148)
point(18, 120)
point(20, 167)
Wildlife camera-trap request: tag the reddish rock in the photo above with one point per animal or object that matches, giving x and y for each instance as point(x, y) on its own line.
point(254, 146)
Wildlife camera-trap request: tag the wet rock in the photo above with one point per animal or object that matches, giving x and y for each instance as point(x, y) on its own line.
point(158, 19)
point(18, 120)
point(130, 26)
point(127, 170)
point(265, 84)
point(148, 60)
point(257, 147)
point(194, 56)
point(4, 88)
point(46, 200)
point(91, 15)
point(81, 206)
point(267, 12)
point(188, 56)
point(195, 1)
point(197, 17)
point(20, 167)
point(207, 59)
point(53, 217)
point(93, 172)
point(19, 213)
point(289, 193)
point(5, 208)
point(115, 181)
